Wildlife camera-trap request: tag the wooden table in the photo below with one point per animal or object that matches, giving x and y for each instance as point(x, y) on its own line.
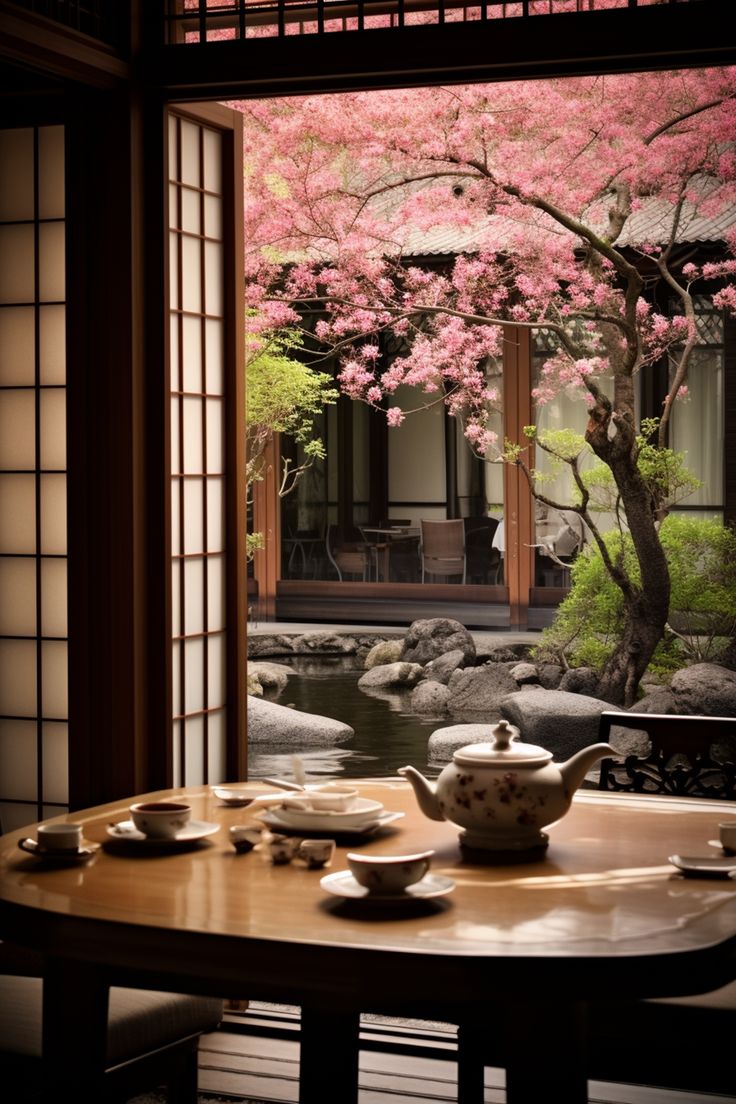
point(603, 914)
point(380, 541)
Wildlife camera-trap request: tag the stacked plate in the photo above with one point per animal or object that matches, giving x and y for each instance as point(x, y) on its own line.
point(300, 813)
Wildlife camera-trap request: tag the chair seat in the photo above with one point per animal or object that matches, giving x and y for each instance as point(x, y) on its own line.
point(139, 1020)
point(674, 1042)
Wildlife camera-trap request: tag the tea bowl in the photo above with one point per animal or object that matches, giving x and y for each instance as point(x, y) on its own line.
point(388, 873)
point(160, 819)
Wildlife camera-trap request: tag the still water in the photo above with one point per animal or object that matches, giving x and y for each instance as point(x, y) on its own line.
point(387, 734)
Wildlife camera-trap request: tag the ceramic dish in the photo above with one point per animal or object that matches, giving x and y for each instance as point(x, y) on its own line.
point(361, 811)
point(711, 865)
point(59, 858)
point(343, 884)
point(323, 823)
point(194, 830)
point(230, 795)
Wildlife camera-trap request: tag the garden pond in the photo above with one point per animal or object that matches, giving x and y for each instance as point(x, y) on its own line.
point(387, 734)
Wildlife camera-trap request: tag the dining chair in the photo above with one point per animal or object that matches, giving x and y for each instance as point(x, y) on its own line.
point(152, 1037)
point(682, 761)
point(348, 555)
point(443, 548)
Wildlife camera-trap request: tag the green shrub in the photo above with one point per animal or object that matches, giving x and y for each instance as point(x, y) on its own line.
point(702, 563)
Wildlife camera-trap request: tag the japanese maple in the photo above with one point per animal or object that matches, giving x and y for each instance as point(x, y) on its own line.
point(538, 185)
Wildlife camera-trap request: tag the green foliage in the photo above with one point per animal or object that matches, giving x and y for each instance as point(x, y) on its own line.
point(701, 556)
point(283, 395)
point(663, 470)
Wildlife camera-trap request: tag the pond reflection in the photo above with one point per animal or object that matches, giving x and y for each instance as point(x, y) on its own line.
point(387, 734)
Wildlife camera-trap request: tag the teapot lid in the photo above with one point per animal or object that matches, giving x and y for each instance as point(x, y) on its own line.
point(505, 749)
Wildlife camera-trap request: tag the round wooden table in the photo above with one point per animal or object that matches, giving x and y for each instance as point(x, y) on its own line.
point(603, 914)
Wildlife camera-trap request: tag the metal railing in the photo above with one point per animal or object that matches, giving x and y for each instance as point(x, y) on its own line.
point(198, 21)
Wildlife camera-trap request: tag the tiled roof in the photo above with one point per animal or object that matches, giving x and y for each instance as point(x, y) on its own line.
point(649, 225)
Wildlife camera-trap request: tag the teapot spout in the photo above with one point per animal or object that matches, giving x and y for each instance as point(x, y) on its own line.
point(425, 793)
point(574, 770)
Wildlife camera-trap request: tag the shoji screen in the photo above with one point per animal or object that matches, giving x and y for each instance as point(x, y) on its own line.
point(33, 568)
point(198, 451)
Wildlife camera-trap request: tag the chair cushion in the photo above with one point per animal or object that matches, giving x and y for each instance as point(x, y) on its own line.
point(139, 1020)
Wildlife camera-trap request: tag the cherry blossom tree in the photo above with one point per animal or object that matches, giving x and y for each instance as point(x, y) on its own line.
point(540, 184)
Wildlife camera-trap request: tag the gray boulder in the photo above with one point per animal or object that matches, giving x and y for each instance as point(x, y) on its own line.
point(386, 651)
point(444, 666)
point(705, 689)
point(656, 700)
point(270, 644)
point(426, 640)
point(550, 675)
point(524, 674)
point(579, 680)
point(269, 723)
point(444, 742)
point(391, 675)
point(325, 643)
point(480, 690)
point(270, 676)
point(430, 698)
point(558, 721)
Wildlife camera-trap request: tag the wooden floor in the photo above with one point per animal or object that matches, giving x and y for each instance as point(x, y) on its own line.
point(256, 1057)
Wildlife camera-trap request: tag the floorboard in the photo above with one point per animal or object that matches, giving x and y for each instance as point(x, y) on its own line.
point(256, 1056)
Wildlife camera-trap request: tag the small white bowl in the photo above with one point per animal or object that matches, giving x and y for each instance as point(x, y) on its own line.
point(160, 819)
point(332, 797)
point(388, 873)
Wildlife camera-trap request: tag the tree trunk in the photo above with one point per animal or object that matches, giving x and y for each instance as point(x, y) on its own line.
point(646, 607)
point(646, 603)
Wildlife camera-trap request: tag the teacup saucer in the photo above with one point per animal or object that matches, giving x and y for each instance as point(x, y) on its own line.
point(59, 858)
point(343, 884)
point(194, 830)
point(718, 866)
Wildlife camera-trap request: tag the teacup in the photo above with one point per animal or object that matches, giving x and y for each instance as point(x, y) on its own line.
point(727, 836)
point(59, 838)
point(244, 837)
point(388, 873)
point(160, 819)
point(316, 853)
point(280, 849)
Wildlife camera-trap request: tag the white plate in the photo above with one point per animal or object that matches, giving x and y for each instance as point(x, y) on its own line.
point(362, 811)
point(343, 884)
point(323, 823)
point(67, 858)
point(720, 865)
point(194, 830)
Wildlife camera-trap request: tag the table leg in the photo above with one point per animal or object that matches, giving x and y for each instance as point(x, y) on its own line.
point(75, 1004)
point(545, 1048)
point(328, 1056)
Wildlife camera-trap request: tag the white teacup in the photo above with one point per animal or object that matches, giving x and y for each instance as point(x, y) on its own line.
point(59, 837)
point(160, 819)
point(316, 853)
point(388, 873)
point(727, 836)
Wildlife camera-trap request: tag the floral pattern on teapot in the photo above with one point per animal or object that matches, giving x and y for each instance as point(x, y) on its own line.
point(505, 791)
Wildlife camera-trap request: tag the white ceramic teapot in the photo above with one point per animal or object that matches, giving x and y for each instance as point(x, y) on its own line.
point(505, 792)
